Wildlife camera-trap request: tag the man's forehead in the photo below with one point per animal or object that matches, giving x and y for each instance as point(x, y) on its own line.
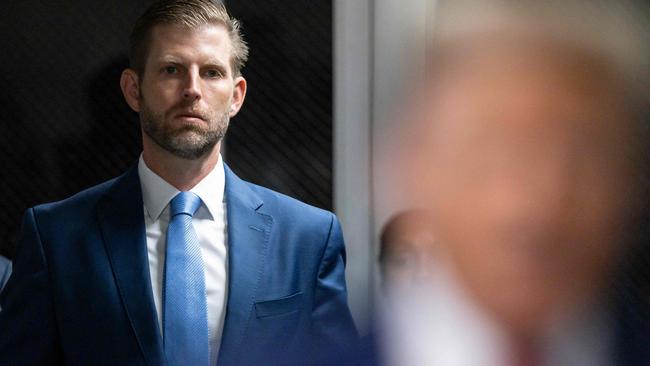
point(208, 38)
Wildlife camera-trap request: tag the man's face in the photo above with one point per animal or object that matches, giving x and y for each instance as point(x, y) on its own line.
point(526, 178)
point(408, 252)
point(187, 89)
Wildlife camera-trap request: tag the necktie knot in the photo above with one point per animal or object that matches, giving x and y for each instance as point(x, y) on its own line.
point(185, 203)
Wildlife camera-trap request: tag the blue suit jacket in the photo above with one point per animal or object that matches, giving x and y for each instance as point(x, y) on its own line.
point(81, 292)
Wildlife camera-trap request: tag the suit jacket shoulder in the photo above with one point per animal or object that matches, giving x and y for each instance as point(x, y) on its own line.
point(296, 212)
point(76, 205)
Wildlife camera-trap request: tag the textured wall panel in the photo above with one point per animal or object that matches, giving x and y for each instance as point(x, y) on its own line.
point(64, 125)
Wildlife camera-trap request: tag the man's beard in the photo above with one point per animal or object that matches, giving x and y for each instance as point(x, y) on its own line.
point(186, 142)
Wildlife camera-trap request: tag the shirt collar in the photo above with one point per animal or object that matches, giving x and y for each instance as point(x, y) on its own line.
point(156, 192)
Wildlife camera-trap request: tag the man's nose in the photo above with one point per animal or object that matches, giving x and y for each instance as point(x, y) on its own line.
point(192, 90)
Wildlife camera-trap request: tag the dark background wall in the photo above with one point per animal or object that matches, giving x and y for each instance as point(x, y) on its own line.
point(282, 138)
point(64, 125)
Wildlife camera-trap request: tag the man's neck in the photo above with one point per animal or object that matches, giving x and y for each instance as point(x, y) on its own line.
point(181, 173)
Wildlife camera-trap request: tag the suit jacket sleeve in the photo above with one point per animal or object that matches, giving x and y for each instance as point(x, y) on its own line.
point(333, 326)
point(27, 325)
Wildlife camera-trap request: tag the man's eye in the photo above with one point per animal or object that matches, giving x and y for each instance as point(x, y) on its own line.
point(171, 70)
point(213, 73)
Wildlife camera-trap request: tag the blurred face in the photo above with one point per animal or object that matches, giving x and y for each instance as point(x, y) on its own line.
point(188, 92)
point(408, 251)
point(525, 175)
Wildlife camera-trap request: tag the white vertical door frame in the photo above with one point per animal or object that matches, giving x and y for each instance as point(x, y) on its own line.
point(353, 148)
point(401, 32)
point(378, 52)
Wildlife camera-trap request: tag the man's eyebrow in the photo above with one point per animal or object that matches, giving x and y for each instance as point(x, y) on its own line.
point(214, 62)
point(169, 59)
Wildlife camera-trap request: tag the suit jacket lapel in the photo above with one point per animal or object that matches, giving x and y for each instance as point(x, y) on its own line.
point(248, 240)
point(121, 219)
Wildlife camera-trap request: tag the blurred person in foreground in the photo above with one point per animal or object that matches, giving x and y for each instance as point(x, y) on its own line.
point(406, 249)
point(178, 261)
point(532, 153)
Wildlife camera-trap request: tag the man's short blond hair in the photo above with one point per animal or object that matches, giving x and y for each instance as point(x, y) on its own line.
point(191, 14)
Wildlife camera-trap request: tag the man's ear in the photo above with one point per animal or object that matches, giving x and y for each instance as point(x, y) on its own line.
point(130, 84)
point(238, 95)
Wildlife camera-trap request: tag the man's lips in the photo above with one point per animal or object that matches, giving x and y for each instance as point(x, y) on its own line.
point(189, 116)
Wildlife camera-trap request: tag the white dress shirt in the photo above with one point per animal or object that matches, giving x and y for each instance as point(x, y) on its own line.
point(211, 228)
point(437, 323)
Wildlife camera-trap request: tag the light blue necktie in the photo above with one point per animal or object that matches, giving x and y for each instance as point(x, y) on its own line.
point(185, 323)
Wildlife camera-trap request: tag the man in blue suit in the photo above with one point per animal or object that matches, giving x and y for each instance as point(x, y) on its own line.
point(178, 261)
